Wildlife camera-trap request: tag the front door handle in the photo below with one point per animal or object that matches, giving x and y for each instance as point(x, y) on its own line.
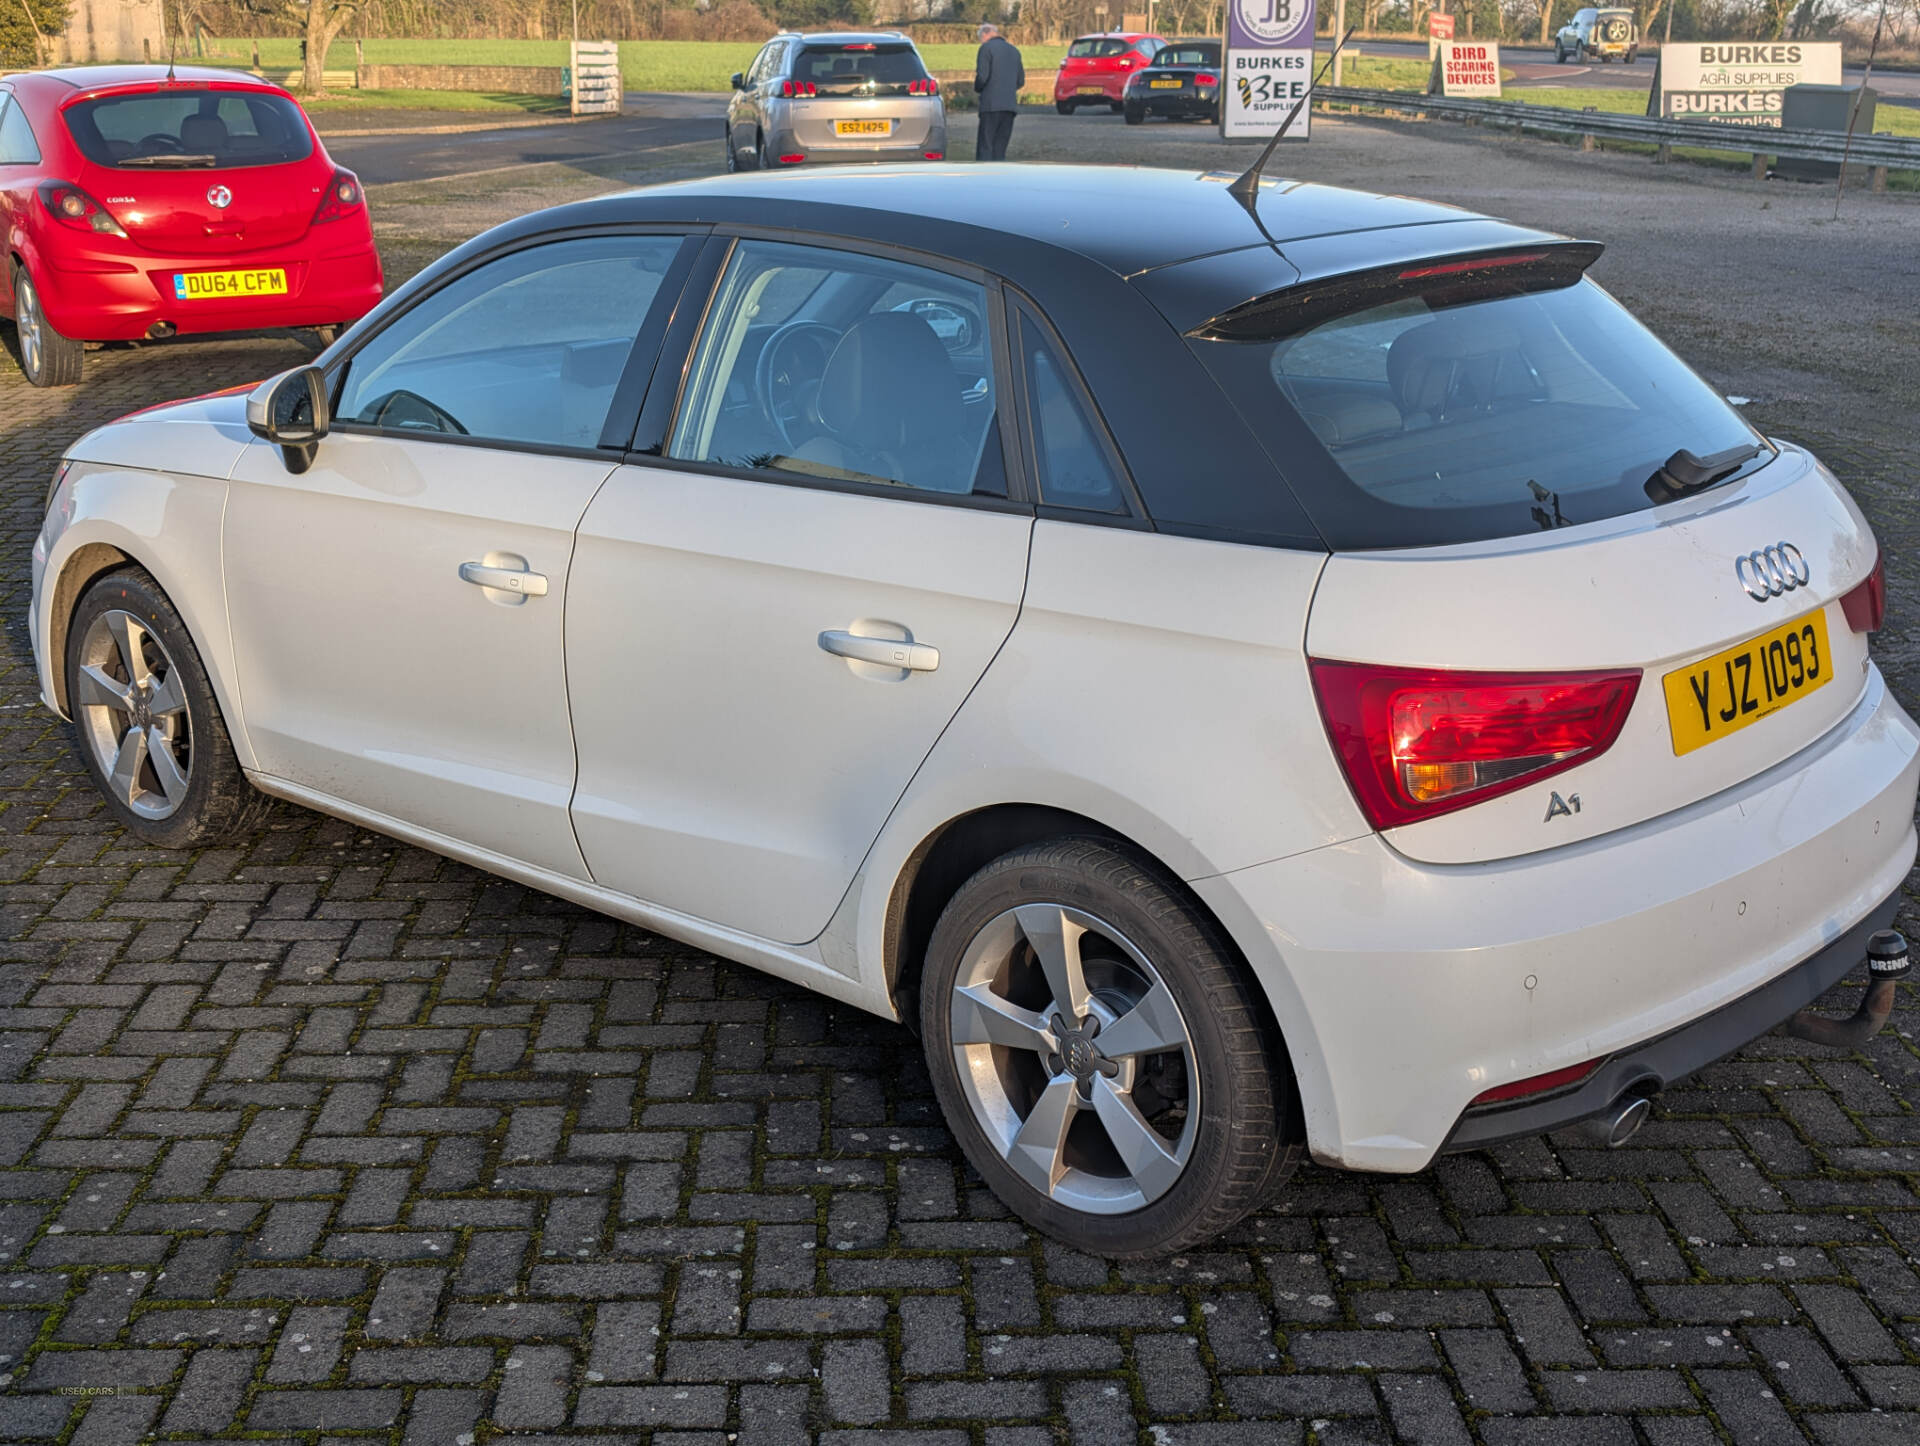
point(506, 579)
point(886, 652)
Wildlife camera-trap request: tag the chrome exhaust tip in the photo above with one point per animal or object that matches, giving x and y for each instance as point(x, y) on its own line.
point(160, 331)
point(1622, 1120)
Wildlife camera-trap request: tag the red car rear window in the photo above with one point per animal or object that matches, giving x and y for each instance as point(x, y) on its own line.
point(188, 128)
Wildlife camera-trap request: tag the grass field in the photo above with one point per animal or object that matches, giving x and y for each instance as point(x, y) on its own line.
point(645, 64)
point(346, 102)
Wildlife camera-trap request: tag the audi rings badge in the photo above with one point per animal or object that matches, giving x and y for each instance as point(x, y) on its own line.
point(1771, 572)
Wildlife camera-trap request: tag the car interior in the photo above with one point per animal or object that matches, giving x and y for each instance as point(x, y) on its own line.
point(188, 127)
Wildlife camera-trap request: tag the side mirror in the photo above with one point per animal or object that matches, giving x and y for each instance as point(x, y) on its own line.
point(739, 80)
point(293, 412)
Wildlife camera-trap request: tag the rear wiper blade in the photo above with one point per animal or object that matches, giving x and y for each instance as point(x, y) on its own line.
point(169, 159)
point(1686, 472)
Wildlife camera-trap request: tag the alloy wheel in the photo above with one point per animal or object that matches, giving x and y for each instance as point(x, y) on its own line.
point(26, 317)
point(1075, 1058)
point(133, 716)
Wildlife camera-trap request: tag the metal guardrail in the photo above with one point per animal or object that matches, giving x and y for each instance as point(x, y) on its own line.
point(1896, 152)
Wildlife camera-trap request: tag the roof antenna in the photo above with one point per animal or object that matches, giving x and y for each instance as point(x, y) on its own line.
point(172, 41)
point(1246, 190)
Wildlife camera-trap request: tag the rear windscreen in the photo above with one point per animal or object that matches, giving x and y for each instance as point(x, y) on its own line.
point(186, 128)
point(834, 68)
point(1429, 419)
point(1101, 49)
point(1188, 55)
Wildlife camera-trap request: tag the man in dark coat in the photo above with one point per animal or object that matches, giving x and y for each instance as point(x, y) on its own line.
point(998, 76)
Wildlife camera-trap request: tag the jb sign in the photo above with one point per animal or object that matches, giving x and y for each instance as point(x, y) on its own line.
point(1739, 82)
point(1269, 66)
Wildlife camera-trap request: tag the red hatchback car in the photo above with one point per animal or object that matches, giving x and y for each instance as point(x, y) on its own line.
point(1097, 68)
point(135, 203)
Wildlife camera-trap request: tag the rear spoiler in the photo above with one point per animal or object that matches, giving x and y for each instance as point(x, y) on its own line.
point(1450, 279)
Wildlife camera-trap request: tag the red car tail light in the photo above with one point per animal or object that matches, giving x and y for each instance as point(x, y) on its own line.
point(1538, 1084)
point(73, 207)
point(929, 86)
point(1204, 79)
point(934, 155)
point(792, 160)
point(799, 89)
point(343, 197)
point(1866, 604)
point(1420, 742)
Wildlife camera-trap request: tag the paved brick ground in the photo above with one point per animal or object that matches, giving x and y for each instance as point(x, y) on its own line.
point(327, 1139)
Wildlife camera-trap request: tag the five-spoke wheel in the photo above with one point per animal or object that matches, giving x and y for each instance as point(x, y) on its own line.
point(1099, 1052)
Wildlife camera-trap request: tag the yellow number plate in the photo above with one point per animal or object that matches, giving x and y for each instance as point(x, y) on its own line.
point(1716, 696)
point(211, 285)
point(1164, 84)
point(863, 128)
point(1093, 90)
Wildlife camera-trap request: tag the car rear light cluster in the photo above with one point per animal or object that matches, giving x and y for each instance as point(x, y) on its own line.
point(1866, 604)
point(343, 198)
point(1539, 1084)
point(929, 86)
point(1420, 742)
point(1204, 79)
point(799, 89)
point(71, 206)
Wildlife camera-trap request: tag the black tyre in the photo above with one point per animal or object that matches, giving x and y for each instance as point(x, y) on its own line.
point(1116, 106)
point(46, 357)
point(1065, 107)
point(1100, 1054)
point(1135, 115)
point(148, 724)
point(733, 157)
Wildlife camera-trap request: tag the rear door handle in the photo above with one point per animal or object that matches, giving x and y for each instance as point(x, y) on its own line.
point(886, 652)
point(506, 579)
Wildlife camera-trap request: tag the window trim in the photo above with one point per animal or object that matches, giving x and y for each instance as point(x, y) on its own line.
point(10, 102)
point(721, 247)
point(1135, 516)
point(691, 237)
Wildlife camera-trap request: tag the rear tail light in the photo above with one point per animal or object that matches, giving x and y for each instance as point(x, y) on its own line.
point(799, 89)
point(1420, 742)
point(929, 86)
point(343, 197)
point(934, 155)
point(1538, 1084)
point(74, 208)
point(1204, 79)
point(792, 160)
point(1866, 604)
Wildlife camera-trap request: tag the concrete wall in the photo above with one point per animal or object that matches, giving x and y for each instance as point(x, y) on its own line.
point(515, 79)
point(112, 30)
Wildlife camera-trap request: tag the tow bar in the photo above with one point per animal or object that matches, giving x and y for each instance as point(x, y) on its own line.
point(1886, 965)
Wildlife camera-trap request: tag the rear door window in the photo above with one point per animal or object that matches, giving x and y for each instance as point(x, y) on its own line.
point(185, 128)
point(1461, 413)
point(1074, 465)
point(1097, 48)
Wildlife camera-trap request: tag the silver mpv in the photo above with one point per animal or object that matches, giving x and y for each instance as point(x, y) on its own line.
point(835, 97)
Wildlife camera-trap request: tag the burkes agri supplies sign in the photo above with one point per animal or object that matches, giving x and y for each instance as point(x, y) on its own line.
point(1739, 82)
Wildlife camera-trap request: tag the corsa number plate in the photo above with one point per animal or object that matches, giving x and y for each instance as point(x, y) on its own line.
point(1708, 699)
point(212, 285)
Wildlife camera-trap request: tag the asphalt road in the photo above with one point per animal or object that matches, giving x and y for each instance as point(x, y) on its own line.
point(1536, 68)
point(649, 122)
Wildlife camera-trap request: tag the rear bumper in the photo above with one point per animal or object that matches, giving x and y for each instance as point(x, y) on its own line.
point(323, 287)
point(1111, 87)
point(841, 154)
point(1406, 989)
point(1173, 102)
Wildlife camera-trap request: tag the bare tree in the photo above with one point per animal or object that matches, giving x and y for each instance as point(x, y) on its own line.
point(319, 22)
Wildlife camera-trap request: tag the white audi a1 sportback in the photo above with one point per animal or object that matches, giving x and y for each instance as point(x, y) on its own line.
point(1310, 676)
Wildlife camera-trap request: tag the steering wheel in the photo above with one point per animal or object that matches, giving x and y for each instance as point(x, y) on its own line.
point(789, 385)
point(403, 409)
point(162, 144)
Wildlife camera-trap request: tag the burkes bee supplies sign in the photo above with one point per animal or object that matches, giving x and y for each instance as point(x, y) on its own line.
point(1740, 82)
point(1269, 66)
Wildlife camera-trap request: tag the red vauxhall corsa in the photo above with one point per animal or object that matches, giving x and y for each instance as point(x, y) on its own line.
point(138, 202)
point(1098, 67)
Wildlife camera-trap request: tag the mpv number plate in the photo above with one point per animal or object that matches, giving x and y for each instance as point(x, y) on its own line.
point(1708, 699)
point(209, 285)
point(863, 128)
